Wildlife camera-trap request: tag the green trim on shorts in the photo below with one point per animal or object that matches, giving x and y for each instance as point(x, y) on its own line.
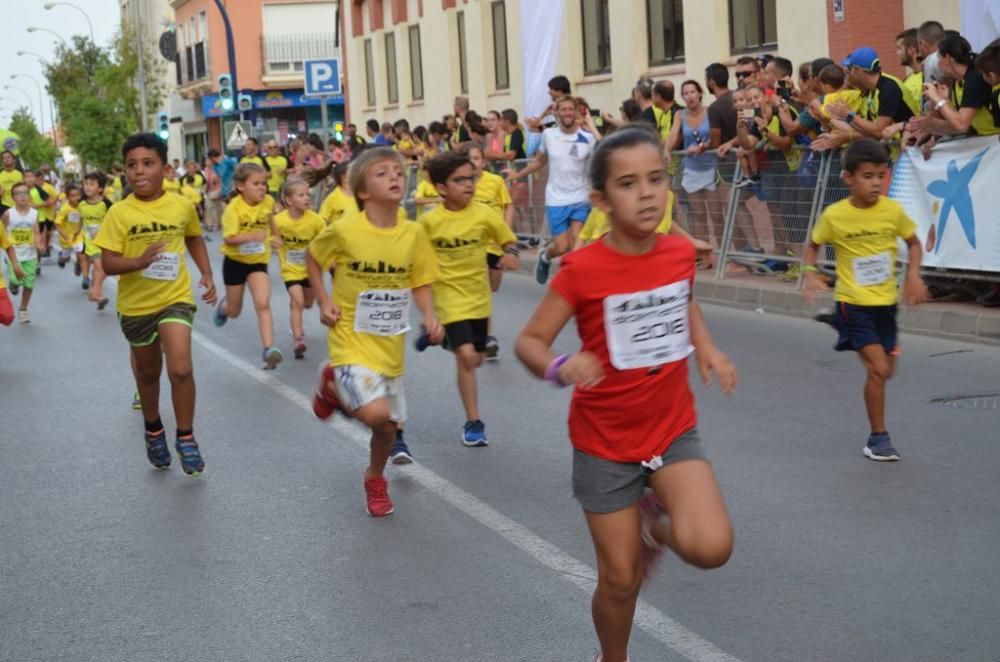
point(178, 320)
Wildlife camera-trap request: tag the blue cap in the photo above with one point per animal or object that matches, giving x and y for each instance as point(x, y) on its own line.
point(863, 58)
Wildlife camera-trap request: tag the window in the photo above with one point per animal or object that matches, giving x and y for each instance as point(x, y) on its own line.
point(665, 30)
point(752, 25)
point(392, 82)
point(596, 37)
point(416, 64)
point(500, 65)
point(463, 66)
point(370, 72)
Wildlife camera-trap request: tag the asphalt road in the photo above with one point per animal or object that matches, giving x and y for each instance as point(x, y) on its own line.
point(271, 557)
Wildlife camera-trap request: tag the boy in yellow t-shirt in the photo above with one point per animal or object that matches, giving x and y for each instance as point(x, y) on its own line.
point(93, 208)
point(70, 228)
point(144, 239)
point(381, 263)
point(425, 195)
point(298, 225)
point(864, 230)
point(461, 231)
point(6, 308)
point(340, 202)
point(170, 182)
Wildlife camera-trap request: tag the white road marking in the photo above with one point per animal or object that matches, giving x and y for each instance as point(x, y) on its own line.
point(647, 617)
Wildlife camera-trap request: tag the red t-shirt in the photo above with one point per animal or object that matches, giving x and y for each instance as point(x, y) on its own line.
point(631, 310)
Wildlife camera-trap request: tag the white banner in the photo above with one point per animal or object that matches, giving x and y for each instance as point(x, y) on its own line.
point(541, 27)
point(954, 197)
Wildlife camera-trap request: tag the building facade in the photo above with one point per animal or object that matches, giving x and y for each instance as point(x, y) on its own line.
point(271, 39)
point(410, 58)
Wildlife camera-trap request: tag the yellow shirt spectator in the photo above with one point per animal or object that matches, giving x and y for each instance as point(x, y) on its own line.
point(425, 189)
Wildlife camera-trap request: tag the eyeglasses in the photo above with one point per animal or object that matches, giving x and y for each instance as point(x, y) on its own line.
point(744, 74)
point(471, 179)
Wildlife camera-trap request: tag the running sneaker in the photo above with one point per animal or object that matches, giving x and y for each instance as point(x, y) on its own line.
point(880, 449)
point(190, 456)
point(492, 348)
point(400, 454)
point(220, 316)
point(85, 283)
point(378, 503)
point(542, 268)
point(136, 401)
point(156, 449)
point(422, 342)
point(61, 261)
point(102, 303)
point(474, 434)
point(272, 357)
point(299, 348)
point(14, 288)
point(77, 269)
point(827, 317)
point(324, 400)
point(650, 511)
point(23, 316)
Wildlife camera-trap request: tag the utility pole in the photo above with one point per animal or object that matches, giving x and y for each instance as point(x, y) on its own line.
point(144, 112)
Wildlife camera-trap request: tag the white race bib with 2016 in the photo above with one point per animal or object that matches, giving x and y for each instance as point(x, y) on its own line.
point(383, 312)
point(872, 270)
point(166, 267)
point(252, 248)
point(650, 328)
point(296, 257)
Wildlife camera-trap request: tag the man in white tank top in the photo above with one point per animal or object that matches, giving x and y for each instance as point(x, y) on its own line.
point(21, 222)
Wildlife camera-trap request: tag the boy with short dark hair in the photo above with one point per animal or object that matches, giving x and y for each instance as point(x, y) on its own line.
point(6, 309)
point(21, 223)
point(144, 239)
point(864, 230)
point(461, 230)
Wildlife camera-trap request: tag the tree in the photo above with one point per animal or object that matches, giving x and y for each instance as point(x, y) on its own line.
point(35, 149)
point(95, 92)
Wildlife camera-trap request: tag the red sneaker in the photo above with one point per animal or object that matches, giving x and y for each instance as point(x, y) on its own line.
point(324, 401)
point(377, 495)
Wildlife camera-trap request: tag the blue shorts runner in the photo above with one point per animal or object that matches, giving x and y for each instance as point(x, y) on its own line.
point(860, 326)
point(560, 217)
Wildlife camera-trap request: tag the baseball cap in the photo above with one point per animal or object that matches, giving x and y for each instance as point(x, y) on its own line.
point(863, 58)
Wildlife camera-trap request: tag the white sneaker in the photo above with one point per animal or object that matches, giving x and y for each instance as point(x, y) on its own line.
point(22, 315)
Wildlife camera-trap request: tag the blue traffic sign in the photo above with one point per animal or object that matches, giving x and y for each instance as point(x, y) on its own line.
point(322, 77)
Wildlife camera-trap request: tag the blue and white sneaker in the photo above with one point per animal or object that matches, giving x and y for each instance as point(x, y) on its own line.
point(880, 449)
point(474, 434)
point(400, 454)
point(220, 316)
point(272, 357)
point(542, 268)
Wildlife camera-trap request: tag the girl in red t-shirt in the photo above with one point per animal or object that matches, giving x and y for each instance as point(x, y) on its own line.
point(632, 418)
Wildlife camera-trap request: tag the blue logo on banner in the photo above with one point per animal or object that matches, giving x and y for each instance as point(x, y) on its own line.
point(954, 193)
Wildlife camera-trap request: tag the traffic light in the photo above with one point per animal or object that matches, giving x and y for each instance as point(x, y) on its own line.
point(244, 102)
point(226, 96)
point(338, 130)
point(163, 125)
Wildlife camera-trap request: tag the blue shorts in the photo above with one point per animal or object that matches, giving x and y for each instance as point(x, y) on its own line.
point(860, 326)
point(559, 217)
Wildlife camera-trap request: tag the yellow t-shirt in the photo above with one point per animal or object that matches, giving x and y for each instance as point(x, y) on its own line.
point(850, 97)
point(425, 189)
point(172, 185)
point(69, 225)
point(192, 193)
point(45, 213)
point(7, 179)
point(4, 245)
point(491, 190)
point(91, 215)
point(252, 159)
point(460, 240)
point(915, 84)
point(337, 205)
point(296, 233)
point(129, 228)
point(375, 270)
point(241, 218)
point(279, 166)
point(865, 241)
point(598, 224)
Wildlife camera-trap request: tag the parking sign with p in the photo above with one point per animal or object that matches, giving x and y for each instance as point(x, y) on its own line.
point(322, 77)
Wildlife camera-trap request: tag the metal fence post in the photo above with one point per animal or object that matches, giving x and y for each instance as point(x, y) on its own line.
point(817, 203)
point(727, 232)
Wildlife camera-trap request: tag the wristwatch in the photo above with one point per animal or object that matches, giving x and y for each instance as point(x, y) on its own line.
point(940, 104)
point(850, 117)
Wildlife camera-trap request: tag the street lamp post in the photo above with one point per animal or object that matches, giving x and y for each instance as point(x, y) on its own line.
point(50, 5)
point(52, 108)
point(41, 106)
point(53, 32)
point(24, 92)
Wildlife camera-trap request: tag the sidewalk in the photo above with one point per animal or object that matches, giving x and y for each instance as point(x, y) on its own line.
point(958, 321)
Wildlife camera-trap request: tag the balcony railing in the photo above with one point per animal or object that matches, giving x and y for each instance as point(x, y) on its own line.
point(284, 54)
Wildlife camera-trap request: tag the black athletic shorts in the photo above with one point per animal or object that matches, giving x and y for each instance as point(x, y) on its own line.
point(236, 273)
point(46, 225)
point(467, 331)
point(493, 261)
point(304, 283)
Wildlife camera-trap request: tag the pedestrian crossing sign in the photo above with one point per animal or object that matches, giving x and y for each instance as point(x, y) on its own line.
point(238, 132)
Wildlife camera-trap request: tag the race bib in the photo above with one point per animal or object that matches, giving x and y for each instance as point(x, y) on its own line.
point(383, 312)
point(296, 257)
point(166, 267)
point(872, 270)
point(92, 230)
point(252, 248)
point(648, 329)
point(22, 236)
point(73, 217)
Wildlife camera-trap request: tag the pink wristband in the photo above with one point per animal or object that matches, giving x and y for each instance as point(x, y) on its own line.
point(552, 372)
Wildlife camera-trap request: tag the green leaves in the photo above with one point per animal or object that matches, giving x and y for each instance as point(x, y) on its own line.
point(35, 150)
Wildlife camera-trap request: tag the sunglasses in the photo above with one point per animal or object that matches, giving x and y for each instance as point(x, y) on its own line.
point(744, 74)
